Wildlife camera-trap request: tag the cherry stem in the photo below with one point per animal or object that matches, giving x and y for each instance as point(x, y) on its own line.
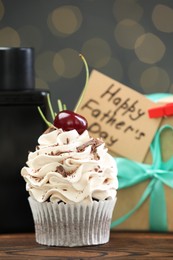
point(86, 82)
point(61, 106)
point(43, 117)
point(50, 107)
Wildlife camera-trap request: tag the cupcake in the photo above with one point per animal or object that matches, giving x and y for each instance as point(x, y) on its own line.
point(72, 184)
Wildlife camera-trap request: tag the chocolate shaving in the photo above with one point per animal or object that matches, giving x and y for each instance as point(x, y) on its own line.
point(60, 169)
point(58, 153)
point(106, 180)
point(94, 144)
point(97, 169)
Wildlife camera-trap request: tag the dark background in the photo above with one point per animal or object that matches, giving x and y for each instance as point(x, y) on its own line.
point(128, 40)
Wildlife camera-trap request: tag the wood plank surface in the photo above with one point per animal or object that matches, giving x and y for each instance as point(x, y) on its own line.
point(121, 246)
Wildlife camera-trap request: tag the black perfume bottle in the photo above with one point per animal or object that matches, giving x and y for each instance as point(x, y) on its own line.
point(20, 127)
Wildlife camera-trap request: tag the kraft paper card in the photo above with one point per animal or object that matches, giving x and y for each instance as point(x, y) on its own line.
point(118, 115)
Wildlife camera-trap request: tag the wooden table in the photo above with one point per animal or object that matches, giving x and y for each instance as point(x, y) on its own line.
point(121, 246)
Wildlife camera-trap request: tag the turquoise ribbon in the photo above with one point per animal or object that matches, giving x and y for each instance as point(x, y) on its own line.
point(159, 173)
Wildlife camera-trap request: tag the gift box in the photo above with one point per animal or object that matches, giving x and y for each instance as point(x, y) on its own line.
point(145, 193)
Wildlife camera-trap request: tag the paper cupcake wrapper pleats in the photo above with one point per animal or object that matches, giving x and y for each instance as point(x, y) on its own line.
point(72, 225)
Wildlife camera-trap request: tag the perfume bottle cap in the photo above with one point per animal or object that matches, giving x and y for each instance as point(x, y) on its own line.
point(17, 68)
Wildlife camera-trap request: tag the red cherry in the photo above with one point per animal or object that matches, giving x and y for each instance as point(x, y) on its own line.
point(69, 120)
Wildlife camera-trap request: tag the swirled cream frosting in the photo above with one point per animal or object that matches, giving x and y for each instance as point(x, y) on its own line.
point(70, 167)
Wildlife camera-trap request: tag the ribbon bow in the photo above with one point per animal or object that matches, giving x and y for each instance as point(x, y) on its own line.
point(160, 173)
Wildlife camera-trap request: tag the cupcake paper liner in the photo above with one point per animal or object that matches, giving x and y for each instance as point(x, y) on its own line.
point(72, 224)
